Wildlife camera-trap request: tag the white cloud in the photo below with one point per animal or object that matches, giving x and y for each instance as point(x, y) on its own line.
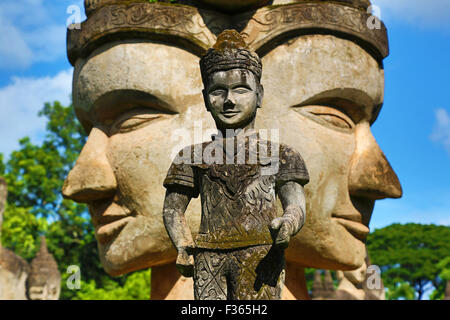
point(441, 131)
point(421, 13)
point(21, 101)
point(32, 31)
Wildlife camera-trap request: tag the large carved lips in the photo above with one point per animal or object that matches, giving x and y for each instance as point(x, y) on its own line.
point(230, 114)
point(352, 222)
point(109, 219)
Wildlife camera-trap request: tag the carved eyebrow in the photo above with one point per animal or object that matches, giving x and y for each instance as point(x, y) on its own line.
point(356, 103)
point(114, 103)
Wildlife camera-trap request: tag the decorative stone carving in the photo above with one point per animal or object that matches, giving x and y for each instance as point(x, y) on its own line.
point(195, 30)
point(239, 250)
point(134, 93)
point(44, 282)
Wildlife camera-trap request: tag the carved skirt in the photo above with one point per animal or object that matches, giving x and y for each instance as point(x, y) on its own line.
point(251, 273)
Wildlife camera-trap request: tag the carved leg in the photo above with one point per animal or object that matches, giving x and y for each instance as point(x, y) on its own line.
point(257, 273)
point(209, 275)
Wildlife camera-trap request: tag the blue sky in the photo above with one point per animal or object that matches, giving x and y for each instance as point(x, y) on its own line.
point(413, 128)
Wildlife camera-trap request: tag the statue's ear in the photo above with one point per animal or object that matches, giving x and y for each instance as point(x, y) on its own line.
point(260, 95)
point(205, 98)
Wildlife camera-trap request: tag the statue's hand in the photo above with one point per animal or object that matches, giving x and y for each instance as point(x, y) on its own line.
point(281, 229)
point(185, 263)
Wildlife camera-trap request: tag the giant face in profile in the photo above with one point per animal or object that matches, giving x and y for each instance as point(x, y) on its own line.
point(322, 91)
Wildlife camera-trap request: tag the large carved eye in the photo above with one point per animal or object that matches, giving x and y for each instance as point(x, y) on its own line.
point(217, 92)
point(332, 117)
point(135, 119)
point(241, 90)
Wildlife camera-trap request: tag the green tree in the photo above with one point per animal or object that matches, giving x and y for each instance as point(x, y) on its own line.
point(409, 255)
point(444, 266)
point(35, 175)
point(136, 287)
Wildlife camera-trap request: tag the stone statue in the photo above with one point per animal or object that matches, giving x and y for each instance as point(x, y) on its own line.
point(239, 250)
point(13, 269)
point(322, 290)
point(356, 284)
point(44, 281)
point(137, 82)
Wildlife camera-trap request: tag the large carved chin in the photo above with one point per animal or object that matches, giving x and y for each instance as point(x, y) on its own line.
point(329, 246)
point(135, 248)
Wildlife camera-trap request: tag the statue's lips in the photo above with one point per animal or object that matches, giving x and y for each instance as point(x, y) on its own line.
point(230, 114)
point(357, 229)
point(109, 218)
point(105, 233)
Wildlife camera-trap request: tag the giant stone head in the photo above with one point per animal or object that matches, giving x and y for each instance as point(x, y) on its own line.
point(137, 85)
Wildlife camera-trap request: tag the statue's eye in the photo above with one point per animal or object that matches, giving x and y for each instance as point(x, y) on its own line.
point(241, 90)
point(328, 116)
point(135, 119)
point(217, 92)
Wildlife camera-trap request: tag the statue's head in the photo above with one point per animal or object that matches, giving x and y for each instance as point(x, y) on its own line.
point(231, 77)
point(44, 280)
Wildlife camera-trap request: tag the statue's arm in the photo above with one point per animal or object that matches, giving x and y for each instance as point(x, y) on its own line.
point(292, 199)
point(175, 205)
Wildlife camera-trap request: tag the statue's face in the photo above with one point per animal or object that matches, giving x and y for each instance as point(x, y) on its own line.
point(133, 99)
point(322, 93)
point(48, 291)
point(232, 97)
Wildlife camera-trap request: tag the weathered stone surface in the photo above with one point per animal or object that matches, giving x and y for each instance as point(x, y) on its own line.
point(13, 276)
point(13, 269)
point(228, 6)
point(195, 30)
point(321, 90)
point(44, 281)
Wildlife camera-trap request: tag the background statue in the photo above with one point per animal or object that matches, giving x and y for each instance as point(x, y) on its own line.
point(44, 281)
point(137, 82)
point(19, 281)
point(13, 269)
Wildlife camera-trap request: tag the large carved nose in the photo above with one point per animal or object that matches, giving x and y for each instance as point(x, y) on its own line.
point(92, 177)
point(371, 175)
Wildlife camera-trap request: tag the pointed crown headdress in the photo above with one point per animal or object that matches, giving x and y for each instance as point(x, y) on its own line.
point(230, 52)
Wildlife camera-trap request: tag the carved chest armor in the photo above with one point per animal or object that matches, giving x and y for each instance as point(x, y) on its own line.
point(238, 200)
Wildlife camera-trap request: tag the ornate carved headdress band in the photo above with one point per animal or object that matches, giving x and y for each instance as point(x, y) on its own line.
point(186, 26)
point(230, 52)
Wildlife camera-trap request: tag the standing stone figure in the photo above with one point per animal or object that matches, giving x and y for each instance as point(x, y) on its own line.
point(238, 253)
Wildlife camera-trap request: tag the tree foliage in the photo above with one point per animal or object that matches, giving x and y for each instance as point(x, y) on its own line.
point(35, 175)
point(409, 257)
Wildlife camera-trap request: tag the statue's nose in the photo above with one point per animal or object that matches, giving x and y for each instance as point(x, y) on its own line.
point(92, 177)
point(371, 175)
